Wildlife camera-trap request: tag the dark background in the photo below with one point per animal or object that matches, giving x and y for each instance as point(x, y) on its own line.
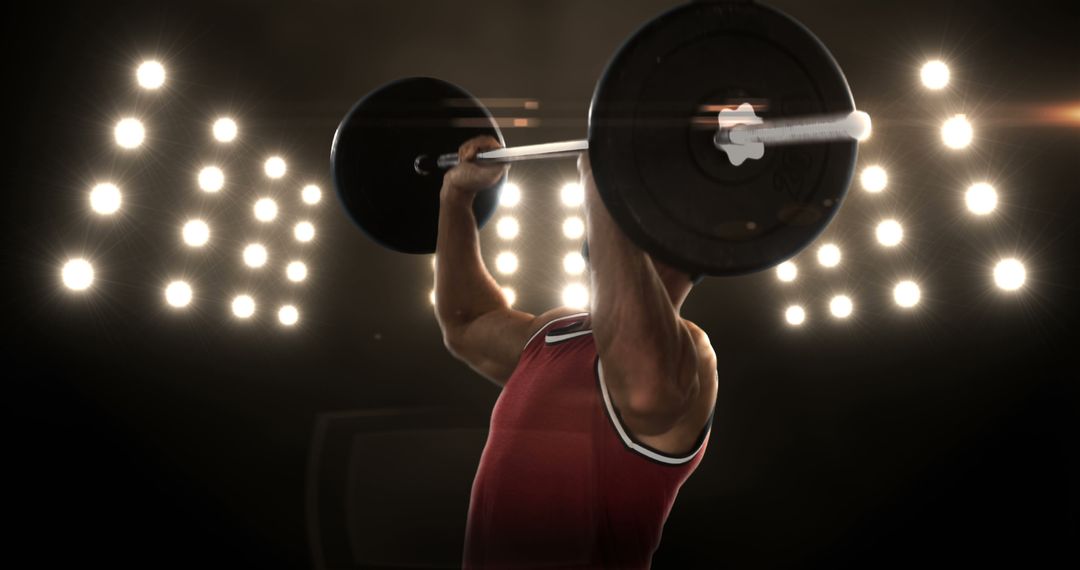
point(138, 437)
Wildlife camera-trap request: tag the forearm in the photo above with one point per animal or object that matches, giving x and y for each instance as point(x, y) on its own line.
point(637, 330)
point(464, 290)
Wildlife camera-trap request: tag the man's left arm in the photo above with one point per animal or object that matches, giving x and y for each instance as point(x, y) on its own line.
point(649, 356)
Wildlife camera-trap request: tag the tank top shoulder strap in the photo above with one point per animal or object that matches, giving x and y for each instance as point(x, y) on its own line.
point(554, 323)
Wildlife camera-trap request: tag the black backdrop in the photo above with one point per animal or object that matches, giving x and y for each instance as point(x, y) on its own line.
point(138, 438)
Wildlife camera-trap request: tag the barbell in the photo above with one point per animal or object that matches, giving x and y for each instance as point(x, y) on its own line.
point(722, 137)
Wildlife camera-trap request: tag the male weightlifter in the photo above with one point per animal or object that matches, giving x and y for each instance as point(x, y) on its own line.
point(602, 416)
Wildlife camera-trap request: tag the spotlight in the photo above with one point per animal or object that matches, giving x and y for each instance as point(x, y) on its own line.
point(906, 294)
point(508, 227)
point(77, 274)
point(211, 179)
point(288, 315)
point(311, 194)
point(573, 194)
point(573, 263)
point(255, 255)
point(795, 315)
point(787, 272)
point(890, 233)
point(828, 255)
point(935, 74)
point(265, 210)
point(129, 133)
point(431, 297)
point(243, 306)
point(506, 263)
point(509, 295)
point(1009, 274)
point(575, 296)
point(981, 198)
point(874, 179)
point(304, 232)
point(105, 199)
point(151, 75)
point(178, 294)
point(224, 129)
point(573, 227)
point(275, 167)
point(296, 271)
point(196, 233)
point(510, 195)
point(841, 306)
point(957, 133)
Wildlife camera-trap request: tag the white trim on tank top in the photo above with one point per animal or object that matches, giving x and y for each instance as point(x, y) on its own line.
point(527, 343)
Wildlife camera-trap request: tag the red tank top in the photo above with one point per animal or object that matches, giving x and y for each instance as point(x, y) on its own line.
point(561, 482)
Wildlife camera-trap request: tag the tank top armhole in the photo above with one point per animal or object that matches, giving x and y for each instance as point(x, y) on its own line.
point(637, 447)
point(545, 327)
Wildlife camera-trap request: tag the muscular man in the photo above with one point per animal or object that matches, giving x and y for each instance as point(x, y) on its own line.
point(602, 415)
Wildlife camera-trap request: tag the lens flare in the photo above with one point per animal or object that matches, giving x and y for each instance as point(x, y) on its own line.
point(266, 210)
point(296, 271)
point(129, 133)
point(510, 195)
point(1009, 274)
point(509, 295)
point(829, 255)
point(981, 199)
point(255, 255)
point(576, 296)
point(795, 315)
point(311, 194)
point(507, 227)
point(573, 227)
point(77, 274)
point(935, 74)
point(889, 233)
point(288, 315)
point(787, 272)
point(506, 263)
point(243, 306)
point(275, 167)
point(304, 231)
point(841, 306)
point(196, 233)
point(150, 75)
point(573, 263)
point(874, 179)
point(957, 132)
point(573, 195)
point(178, 294)
point(907, 294)
point(105, 199)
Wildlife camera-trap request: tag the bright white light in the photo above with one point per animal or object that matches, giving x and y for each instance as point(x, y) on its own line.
point(296, 271)
point(828, 255)
point(957, 132)
point(304, 231)
point(795, 315)
point(573, 194)
point(78, 274)
point(509, 295)
point(255, 255)
point(981, 198)
point(178, 294)
point(506, 263)
point(151, 75)
point(265, 210)
point(243, 306)
point(105, 199)
point(288, 315)
point(275, 167)
point(573, 263)
point(935, 74)
point(874, 179)
point(225, 129)
point(787, 272)
point(1009, 274)
point(575, 296)
point(311, 194)
point(508, 227)
point(889, 233)
point(841, 306)
point(510, 195)
point(129, 133)
point(211, 179)
point(573, 228)
point(196, 233)
point(906, 294)
point(431, 297)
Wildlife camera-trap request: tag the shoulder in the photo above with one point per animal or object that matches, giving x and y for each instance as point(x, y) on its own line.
point(546, 318)
point(701, 342)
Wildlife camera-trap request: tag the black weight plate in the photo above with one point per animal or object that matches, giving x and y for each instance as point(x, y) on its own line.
point(376, 145)
point(653, 116)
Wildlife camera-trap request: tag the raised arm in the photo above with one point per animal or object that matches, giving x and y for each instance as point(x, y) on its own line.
point(654, 366)
point(478, 325)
